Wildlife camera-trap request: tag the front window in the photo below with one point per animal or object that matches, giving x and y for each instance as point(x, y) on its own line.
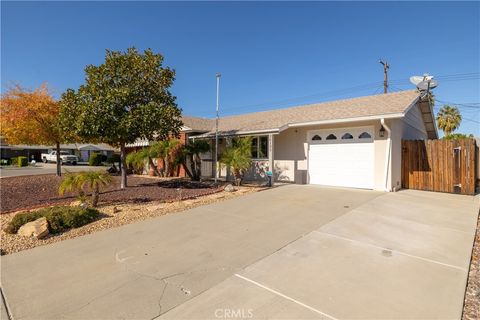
point(260, 147)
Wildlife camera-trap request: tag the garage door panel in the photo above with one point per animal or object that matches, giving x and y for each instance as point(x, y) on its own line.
point(342, 164)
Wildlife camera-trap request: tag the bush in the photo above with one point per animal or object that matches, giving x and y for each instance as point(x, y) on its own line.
point(59, 218)
point(22, 161)
point(96, 159)
point(4, 162)
point(14, 161)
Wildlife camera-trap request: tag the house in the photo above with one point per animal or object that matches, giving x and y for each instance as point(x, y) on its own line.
point(83, 151)
point(347, 143)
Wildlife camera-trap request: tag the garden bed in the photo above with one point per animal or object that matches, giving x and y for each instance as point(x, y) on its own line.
point(114, 215)
point(27, 192)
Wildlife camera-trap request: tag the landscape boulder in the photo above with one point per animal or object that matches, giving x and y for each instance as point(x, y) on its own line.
point(229, 188)
point(37, 229)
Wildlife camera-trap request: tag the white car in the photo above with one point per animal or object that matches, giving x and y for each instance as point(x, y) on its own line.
point(65, 157)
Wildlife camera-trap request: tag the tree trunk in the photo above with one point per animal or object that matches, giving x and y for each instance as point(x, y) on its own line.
point(95, 196)
point(123, 166)
point(59, 161)
point(166, 166)
point(153, 166)
point(193, 168)
point(189, 174)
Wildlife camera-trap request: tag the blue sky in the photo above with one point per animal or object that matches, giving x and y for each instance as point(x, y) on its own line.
point(271, 54)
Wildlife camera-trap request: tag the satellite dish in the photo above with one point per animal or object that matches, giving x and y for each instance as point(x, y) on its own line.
point(417, 79)
point(427, 85)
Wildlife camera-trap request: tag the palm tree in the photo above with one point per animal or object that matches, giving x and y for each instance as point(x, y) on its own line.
point(448, 119)
point(166, 150)
point(238, 157)
point(93, 180)
point(192, 151)
point(136, 160)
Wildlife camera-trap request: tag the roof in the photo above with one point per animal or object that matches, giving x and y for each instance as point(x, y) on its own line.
point(391, 105)
point(197, 124)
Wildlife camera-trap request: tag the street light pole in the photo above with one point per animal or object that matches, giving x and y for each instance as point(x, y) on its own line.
point(218, 75)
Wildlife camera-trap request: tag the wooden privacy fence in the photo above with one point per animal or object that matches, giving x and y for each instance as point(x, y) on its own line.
point(439, 165)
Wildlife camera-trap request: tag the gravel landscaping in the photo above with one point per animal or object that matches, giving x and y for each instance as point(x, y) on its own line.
point(471, 308)
point(115, 215)
point(27, 192)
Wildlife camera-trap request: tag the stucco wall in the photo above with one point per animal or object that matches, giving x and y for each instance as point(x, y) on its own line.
point(291, 153)
point(411, 127)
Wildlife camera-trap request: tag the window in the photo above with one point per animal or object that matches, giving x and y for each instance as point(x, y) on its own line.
point(364, 135)
point(260, 147)
point(331, 136)
point(316, 137)
point(347, 136)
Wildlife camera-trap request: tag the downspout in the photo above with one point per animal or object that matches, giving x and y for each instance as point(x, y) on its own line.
point(387, 153)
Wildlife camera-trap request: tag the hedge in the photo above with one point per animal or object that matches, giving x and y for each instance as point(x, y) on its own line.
point(96, 159)
point(22, 161)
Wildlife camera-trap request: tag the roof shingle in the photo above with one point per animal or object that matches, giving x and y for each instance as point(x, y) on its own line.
point(376, 105)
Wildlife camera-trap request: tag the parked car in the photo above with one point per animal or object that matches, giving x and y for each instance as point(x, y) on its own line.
point(65, 157)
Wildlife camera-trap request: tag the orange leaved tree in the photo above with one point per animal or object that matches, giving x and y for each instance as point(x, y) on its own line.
point(31, 117)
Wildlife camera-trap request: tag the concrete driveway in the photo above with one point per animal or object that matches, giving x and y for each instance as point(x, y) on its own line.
point(291, 252)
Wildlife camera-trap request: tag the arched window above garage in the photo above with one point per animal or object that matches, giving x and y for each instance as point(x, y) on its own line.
point(331, 136)
point(364, 135)
point(347, 136)
point(316, 137)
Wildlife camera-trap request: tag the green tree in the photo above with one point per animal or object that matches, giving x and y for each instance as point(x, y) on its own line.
point(124, 99)
point(448, 119)
point(190, 153)
point(92, 180)
point(238, 157)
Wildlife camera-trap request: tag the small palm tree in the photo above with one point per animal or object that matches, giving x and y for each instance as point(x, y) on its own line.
point(78, 182)
point(238, 157)
point(448, 119)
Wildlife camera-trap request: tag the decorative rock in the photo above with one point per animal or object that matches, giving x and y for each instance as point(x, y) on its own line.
point(229, 188)
point(37, 229)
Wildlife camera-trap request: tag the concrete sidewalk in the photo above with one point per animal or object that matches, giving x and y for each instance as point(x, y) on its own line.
point(402, 255)
point(142, 270)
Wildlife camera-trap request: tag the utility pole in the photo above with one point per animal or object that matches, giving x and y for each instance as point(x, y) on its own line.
point(386, 66)
point(218, 75)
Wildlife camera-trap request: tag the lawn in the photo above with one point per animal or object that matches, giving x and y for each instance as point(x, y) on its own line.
point(26, 192)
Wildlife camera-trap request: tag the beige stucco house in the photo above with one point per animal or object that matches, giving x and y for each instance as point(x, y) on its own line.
point(348, 143)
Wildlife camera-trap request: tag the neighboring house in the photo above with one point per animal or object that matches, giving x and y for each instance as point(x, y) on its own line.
point(83, 151)
point(347, 143)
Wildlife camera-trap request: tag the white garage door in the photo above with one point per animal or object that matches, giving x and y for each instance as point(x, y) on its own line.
point(341, 157)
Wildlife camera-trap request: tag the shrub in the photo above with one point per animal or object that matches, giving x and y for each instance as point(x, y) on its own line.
point(20, 219)
point(22, 161)
point(96, 159)
point(14, 161)
point(4, 162)
point(59, 218)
